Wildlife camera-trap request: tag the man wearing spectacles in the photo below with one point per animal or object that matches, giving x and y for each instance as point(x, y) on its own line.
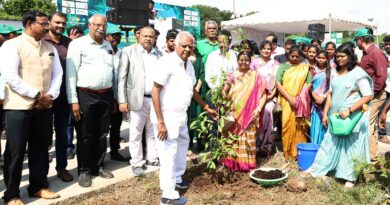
point(89, 86)
point(136, 69)
point(33, 77)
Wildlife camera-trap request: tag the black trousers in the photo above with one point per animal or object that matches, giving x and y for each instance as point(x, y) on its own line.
point(32, 127)
point(115, 131)
point(92, 129)
point(61, 113)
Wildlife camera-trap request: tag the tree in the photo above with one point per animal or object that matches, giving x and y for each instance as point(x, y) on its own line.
point(14, 9)
point(208, 13)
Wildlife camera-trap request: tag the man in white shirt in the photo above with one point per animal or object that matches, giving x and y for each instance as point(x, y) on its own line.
point(173, 89)
point(276, 50)
point(33, 76)
point(136, 70)
point(220, 61)
point(89, 84)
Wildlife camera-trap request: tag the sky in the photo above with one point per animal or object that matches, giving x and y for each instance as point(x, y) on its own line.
point(364, 9)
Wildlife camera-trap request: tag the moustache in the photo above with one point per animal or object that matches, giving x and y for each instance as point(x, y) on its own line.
point(101, 31)
point(46, 30)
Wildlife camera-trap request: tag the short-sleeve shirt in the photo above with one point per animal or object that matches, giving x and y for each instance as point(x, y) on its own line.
point(178, 82)
point(284, 67)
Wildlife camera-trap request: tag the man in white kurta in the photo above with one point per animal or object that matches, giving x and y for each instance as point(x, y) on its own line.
point(173, 89)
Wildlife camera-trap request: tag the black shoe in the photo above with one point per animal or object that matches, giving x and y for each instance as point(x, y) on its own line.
point(179, 201)
point(154, 164)
point(70, 154)
point(85, 179)
point(105, 174)
point(182, 185)
point(118, 157)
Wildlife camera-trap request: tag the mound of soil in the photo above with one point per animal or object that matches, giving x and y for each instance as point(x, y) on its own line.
point(272, 174)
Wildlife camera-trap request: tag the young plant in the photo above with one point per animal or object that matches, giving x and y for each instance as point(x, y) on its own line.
point(219, 142)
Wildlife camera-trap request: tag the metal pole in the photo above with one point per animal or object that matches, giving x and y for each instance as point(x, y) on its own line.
point(234, 7)
point(330, 26)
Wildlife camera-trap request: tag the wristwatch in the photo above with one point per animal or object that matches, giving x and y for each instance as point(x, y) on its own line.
point(37, 95)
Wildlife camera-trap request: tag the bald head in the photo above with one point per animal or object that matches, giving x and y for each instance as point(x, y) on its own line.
point(185, 44)
point(146, 38)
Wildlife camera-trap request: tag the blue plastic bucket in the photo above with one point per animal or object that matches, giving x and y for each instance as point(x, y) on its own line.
point(306, 154)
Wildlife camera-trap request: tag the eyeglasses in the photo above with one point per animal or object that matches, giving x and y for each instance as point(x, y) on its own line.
point(189, 46)
point(44, 24)
point(99, 25)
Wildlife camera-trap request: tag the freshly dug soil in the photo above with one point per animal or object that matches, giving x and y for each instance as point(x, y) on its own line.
point(272, 174)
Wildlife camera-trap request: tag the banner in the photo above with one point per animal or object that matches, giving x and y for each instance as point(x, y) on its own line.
point(78, 12)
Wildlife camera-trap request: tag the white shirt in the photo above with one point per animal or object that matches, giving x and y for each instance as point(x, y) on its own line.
point(278, 50)
point(178, 83)
point(150, 61)
point(88, 65)
point(117, 58)
point(10, 60)
point(388, 73)
point(216, 63)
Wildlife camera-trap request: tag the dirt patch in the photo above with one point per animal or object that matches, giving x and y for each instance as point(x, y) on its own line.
point(220, 187)
point(272, 174)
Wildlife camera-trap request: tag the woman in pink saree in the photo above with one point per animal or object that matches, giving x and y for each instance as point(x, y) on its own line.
point(268, 68)
point(247, 94)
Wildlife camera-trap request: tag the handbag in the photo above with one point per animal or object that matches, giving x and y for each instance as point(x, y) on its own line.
point(339, 126)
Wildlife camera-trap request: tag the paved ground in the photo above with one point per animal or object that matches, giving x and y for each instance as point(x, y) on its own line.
point(121, 170)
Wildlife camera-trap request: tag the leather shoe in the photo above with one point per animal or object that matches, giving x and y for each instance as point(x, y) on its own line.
point(46, 194)
point(64, 175)
point(85, 180)
point(105, 174)
point(15, 201)
point(118, 157)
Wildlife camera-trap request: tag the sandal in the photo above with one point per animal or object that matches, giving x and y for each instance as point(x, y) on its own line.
point(304, 175)
point(349, 185)
point(384, 139)
point(191, 155)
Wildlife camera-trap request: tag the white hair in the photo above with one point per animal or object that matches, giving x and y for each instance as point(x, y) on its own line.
point(210, 22)
point(183, 34)
point(90, 20)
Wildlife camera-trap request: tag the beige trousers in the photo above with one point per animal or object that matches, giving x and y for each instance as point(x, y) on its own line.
point(377, 103)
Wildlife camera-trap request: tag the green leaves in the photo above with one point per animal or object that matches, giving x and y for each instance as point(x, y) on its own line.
point(220, 144)
point(16, 8)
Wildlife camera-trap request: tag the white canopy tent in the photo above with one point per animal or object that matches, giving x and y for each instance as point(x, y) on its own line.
point(290, 17)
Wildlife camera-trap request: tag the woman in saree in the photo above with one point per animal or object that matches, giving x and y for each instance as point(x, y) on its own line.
point(350, 88)
point(321, 76)
point(268, 68)
point(312, 58)
point(293, 81)
point(247, 96)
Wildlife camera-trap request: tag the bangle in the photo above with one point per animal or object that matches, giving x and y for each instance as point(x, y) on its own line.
point(162, 122)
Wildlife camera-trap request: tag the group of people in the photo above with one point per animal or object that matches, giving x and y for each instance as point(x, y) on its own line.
point(303, 87)
point(49, 78)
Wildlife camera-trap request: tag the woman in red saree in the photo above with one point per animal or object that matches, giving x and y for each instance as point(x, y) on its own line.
point(247, 95)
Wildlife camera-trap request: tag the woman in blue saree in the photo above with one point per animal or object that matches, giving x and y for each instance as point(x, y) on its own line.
point(321, 76)
point(350, 88)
